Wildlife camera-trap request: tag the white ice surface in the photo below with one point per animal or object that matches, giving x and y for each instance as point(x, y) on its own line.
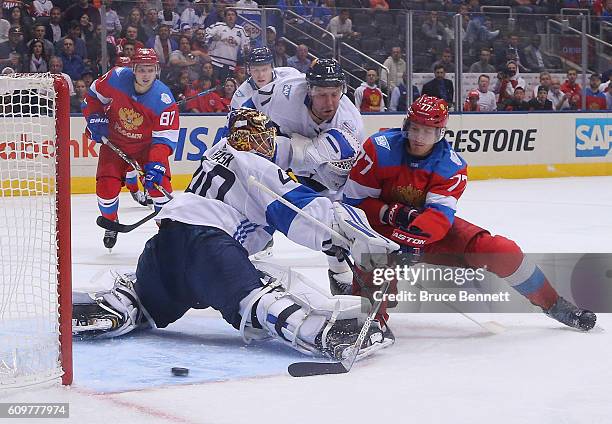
point(442, 369)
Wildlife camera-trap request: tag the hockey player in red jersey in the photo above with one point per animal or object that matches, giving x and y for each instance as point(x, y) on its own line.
point(137, 113)
point(408, 182)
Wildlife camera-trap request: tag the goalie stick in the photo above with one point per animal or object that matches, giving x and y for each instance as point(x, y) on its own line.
point(309, 368)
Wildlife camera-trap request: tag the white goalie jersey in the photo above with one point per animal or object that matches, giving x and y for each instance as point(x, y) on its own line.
point(247, 88)
point(219, 195)
point(286, 103)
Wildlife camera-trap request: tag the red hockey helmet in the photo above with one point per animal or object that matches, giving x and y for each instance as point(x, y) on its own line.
point(145, 57)
point(429, 111)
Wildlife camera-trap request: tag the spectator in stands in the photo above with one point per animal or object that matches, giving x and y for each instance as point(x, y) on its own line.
point(341, 26)
point(113, 23)
point(606, 14)
point(398, 100)
point(540, 101)
point(198, 43)
point(446, 61)
point(435, 32)
point(240, 75)
point(151, 23)
point(211, 102)
point(56, 29)
point(226, 41)
point(182, 89)
point(4, 29)
point(73, 63)
point(323, 13)
point(486, 98)
point(379, 5)
point(56, 67)
point(511, 51)
point(270, 36)
point(484, 64)
point(135, 20)
point(516, 102)
point(168, 16)
point(606, 77)
point(440, 86)
point(526, 9)
point(208, 72)
point(480, 30)
point(80, 90)
point(94, 50)
point(131, 36)
point(368, 96)
point(42, 8)
point(229, 88)
point(184, 58)
point(595, 99)
point(17, 17)
point(74, 33)
point(535, 60)
point(545, 82)
point(559, 99)
point(507, 81)
point(471, 102)
point(216, 14)
point(129, 49)
point(303, 8)
point(194, 15)
point(396, 66)
point(608, 100)
point(162, 44)
point(74, 12)
point(87, 28)
point(280, 55)
point(247, 4)
point(37, 59)
point(572, 89)
point(14, 61)
point(14, 44)
point(88, 77)
point(300, 61)
point(38, 33)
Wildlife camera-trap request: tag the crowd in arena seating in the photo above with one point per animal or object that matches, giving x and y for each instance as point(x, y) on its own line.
point(196, 53)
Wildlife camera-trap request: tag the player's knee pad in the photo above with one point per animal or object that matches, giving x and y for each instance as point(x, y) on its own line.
point(293, 310)
point(498, 254)
point(108, 187)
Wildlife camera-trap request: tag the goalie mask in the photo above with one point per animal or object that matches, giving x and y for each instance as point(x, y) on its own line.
point(328, 158)
point(251, 131)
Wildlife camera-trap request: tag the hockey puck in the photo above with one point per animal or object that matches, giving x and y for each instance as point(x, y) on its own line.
point(179, 371)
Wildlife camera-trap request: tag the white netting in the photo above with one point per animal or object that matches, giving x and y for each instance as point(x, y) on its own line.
point(29, 329)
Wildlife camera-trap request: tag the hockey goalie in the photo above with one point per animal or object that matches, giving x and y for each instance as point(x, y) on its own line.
point(199, 258)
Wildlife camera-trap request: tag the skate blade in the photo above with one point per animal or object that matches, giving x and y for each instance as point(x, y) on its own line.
point(493, 327)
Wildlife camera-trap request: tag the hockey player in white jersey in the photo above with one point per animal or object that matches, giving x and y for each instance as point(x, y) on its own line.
point(310, 104)
point(262, 74)
point(199, 258)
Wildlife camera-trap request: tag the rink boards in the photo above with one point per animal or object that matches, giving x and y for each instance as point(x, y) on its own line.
point(500, 145)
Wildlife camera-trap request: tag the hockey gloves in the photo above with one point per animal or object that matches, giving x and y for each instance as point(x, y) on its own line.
point(154, 173)
point(398, 215)
point(97, 127)
point(368, 248)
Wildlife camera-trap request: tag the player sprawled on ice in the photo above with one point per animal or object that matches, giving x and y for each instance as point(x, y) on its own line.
point(137, 113)
point(304, 107)
point(200, 257)
point(262, 74)
point(408, 182)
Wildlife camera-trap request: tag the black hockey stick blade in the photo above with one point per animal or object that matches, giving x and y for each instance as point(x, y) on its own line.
point(308, 369)
point(108, 224)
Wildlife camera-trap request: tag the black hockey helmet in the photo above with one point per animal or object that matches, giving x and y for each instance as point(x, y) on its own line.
point(260, 56)
point(325, 73)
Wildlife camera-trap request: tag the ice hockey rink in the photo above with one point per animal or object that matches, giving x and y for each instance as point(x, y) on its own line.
point(442, 369)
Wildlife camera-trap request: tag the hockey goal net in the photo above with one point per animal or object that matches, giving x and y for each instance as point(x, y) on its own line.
point(35, 289)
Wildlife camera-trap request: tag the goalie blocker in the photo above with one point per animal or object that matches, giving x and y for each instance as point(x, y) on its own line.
point(260, 302)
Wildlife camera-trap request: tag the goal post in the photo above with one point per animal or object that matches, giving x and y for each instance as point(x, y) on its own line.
point(35, 240)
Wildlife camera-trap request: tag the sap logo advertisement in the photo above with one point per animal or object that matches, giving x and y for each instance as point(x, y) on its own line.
point(593, 137)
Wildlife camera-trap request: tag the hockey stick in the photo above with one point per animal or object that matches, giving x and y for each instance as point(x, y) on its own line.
point(108, 224)
point(307, 369)
point(203, 93)
point(303, 369)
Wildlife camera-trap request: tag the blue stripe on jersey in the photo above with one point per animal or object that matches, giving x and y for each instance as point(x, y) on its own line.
point(358, 224)
point(352, 202)
point(249, 103)
point(280, 216)
point(532, 284)
point(448, 212)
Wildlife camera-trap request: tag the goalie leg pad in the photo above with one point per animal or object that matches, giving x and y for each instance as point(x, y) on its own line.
point(293, 310)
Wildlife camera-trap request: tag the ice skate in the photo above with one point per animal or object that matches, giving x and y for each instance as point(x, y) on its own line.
point(571, 315)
